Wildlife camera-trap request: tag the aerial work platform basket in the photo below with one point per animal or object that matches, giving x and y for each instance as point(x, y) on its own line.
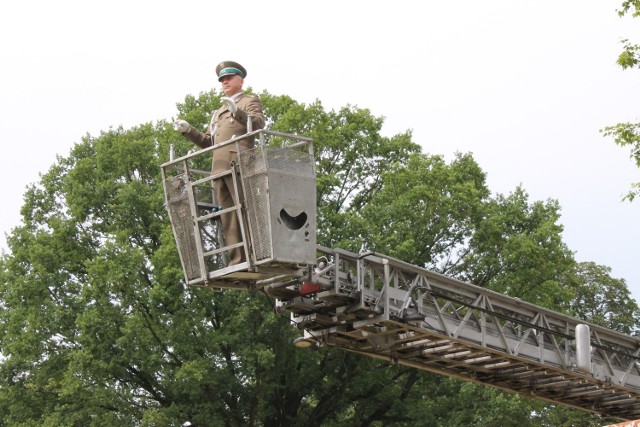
point(275, 184)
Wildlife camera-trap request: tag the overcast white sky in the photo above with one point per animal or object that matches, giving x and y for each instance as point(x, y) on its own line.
point(523, 85)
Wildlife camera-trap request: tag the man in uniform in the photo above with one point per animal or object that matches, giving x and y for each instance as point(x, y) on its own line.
point(228, 121)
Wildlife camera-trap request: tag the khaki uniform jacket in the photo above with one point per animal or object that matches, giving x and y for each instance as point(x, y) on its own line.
point(224, 126)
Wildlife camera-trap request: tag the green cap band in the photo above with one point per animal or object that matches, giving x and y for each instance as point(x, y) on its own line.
point(230, 70)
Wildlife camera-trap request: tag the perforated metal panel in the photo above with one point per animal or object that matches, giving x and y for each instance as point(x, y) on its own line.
point(258, 214)
point(177, 196)
point(280, 193)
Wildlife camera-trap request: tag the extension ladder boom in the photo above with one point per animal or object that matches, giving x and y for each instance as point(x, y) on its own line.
point(379, 306)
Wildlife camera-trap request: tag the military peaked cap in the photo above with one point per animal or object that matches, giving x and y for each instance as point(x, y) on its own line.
point(227, 68)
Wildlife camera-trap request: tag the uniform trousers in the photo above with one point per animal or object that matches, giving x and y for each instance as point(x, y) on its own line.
point(225, 194)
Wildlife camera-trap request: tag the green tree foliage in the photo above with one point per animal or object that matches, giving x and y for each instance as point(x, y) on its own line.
point(603, 300)
point(96, 327)
point(426, 210)
point(628, 134)
point(629, 56)
point(441, 216)
point(517, 250)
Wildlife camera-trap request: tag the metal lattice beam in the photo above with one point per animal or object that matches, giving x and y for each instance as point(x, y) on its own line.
point(391, 310)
